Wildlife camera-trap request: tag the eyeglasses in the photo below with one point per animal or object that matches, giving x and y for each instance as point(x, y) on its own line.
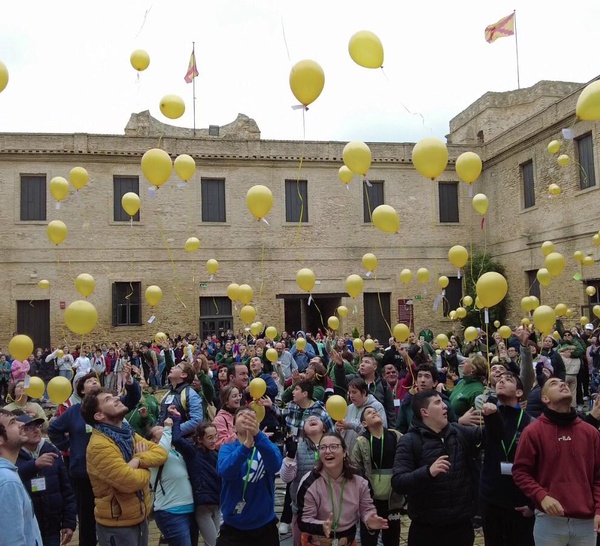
point(332, 448)
point(33, 426)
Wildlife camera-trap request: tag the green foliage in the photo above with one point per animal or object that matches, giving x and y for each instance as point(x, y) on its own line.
point(355, 333)
point(477, 266)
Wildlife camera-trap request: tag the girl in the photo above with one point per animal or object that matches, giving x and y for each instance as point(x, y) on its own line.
point(230, 401)
point(19, 400)
point(119, 367)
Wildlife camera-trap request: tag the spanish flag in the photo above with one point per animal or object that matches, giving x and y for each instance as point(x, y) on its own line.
point(192, 71)
point(504, 27)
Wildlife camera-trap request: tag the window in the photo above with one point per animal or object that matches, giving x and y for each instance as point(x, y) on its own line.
point(296, 201)
point(528, 185)
point(123, 185)
point(126, 308)
point(585, 157)
point(215, 316)
point(377, 315)
point(213, 199)
point(372, 198)
point(453, 295)
point(448, 201)
point(534, 284)
point(588, 310)
point(33, 197)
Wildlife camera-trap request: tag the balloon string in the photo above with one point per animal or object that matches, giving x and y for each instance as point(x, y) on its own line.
point(262, 263)
point(287, 49)
point(380, 304)
point(175, 284)
point(297, 237)
point(400, 100)
point(320, 314)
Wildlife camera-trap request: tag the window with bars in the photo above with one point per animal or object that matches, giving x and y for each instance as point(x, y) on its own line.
point(126, 303)
point(121, 186)
point(215, 316)
point(528, 184)
point(296, 201)
point(585, 158)
point(33, 197)
point(213, 199)
point(372, 198)
point(448, 197)
point(453, 295)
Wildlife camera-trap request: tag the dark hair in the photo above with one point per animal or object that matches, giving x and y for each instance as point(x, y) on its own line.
point(362, 413)
point(307, 387)
point(225, 393)
point(421, 400)
point(12, 388)
point(320, 374)
point(89, 406)
point(435, 375)
point(188, 369)
point(81, 382)
point(517, 380)
point(360, 384)
point(240, 410)
point(3, 432)
point(200, 430)
point(349, 470)
point(231, 368)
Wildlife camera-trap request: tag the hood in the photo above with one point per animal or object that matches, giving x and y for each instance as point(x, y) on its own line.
point(6, 464)
point(301, 332)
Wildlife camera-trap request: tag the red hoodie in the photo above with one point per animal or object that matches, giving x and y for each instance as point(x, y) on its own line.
point(563, 462)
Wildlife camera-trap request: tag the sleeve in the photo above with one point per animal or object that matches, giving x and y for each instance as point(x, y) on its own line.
point(527, 372)
point(52, 356)
point(230, 461)
point(408, 478)
point(167, 438)
point(269, 452)
point(524, 467)
point(69, 506)
point(494, 430)
point(224, 434)
point(179, 442)
point(356, 456)
point(194, 410)
point(288, 471)
point(58, 429)
point(328, 424)
point(390, 410)
point(286, 397)
point(402, 422)
point(13, 526)
point(207, 387)
point(308, 507)
point(27, 469)
point(272, 390)
point(597, 474)
point(154, 456)
point(132, 396)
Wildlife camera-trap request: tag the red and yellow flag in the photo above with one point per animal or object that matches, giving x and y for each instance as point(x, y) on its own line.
point(192, 71)
point(504, 27)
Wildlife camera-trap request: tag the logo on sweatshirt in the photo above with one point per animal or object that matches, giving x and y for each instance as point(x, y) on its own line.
point(257, 469)
point(564, 438)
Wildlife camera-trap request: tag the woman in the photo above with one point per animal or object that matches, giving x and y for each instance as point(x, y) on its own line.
point(64, 363)
point(173, 498)
point(317, 375)
point(230, 401)
point(470, 386)
point(21, 401)
point(333, 498)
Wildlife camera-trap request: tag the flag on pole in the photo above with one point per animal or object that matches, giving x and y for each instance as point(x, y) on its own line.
point(192, 71)
point(504, 27)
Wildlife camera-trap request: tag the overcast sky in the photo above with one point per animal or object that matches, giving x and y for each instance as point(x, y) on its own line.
point(70, 71)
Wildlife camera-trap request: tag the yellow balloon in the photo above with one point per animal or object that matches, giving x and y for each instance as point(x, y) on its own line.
point(85, 284)
point(140, 60)
point(543, 276)
point(78, 177)
point(81, 317)
point(44, 284)
point(422, 275)
point(443, 281)
point(527, 303)
point(247, 314)
point(452, 315)
point(357, 157)
point(544, 318)
point(588, 261)
point(480, 203)
point(342, 311)
point(442, 340)
point(560, 310)
point(358, 344)
point(345, 174)
point(160, 337)
point(553, 147)
point(307, 80)
point(157, 166)
point(584, 320)
point(153, 295)
point(461, 312)
point(259, 200)
point(60, 353)
point(458, 256)
point(525, 321)
point(497, 323)
point(192, 244)
point(212, 266)
point(272, 355)
point(3, 76)
point(386, 219)
point(256, 328)
point(20, 347)
point(505, 332)
point(554, 189)
point(590, 290)
point(535, 303)
point(56, 231)
point(336, 407)
point(588, 103)
point(333, 322)
point(245, 294)
point(579, 256)
point(369, 345)
point(365, 49)
point(233, 291)
point(547, 247)
point(563, 160)
point(491, 288)
point(36, 387)
point(271, 332)
point(477, 303)
point(556, 335)
point(596, 239)
point(258, 409)
point(301, 344)
point(430, 157)
point(467, 301)
point(258, 387)
point(569, 313)
point(406, 276)
point(305, 279)
point(401, 332)
point(596, 310)
point(59, 389)
point(185, 166)
point(172, 106)
point(471, 334)
point(468, 167)
point(59, 188)
point(369, 261)
point(555, 263)
point(130, 203)
point(354, 285)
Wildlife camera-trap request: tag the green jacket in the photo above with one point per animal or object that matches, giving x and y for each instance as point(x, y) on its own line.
point(463, 395)
point(139, 424)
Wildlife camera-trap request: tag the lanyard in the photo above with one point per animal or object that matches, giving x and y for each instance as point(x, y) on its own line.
point(248, 474)
point(336, 520)
point(381, 454)
point(507, 451)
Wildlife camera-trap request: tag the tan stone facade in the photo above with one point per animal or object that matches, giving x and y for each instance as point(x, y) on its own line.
point(515, 128)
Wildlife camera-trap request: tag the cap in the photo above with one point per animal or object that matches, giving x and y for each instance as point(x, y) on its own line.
point(589, 326)
point(27, 420)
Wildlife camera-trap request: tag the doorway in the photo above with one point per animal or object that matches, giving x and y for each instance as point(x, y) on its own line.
point(33, 320)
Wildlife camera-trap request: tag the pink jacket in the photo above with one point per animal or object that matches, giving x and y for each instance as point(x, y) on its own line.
point(19, 369)
point(223, 422)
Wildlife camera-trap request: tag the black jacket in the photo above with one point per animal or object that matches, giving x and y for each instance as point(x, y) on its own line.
point(447, 498)
point(55, 508)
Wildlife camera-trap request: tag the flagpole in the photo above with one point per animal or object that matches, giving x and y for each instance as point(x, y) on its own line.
point(517, 51)
point(194, 85)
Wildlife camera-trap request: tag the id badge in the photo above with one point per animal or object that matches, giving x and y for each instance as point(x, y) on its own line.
point(169, 399)
point(239, 507)
point(88, 429)
point(396, 403)
point(506, 469)
point(38, 484)
point(335, 542)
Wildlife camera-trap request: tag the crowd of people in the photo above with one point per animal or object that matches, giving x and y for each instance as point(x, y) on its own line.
point(193, 433)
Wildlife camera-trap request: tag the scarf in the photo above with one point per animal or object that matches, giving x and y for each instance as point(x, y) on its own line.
point(122, 436)
point(561, 419)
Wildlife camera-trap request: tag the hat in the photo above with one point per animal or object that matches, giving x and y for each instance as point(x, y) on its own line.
point(546, 363)
point(27, 420)
point(589, 326)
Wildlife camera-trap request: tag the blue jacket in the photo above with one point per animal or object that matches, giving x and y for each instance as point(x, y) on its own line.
point(55, 508)
point(192, 414)
point(201, 466)
point(259, 464)
point(71, 422)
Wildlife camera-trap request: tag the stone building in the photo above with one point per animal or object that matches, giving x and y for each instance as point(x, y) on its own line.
point(316, 222)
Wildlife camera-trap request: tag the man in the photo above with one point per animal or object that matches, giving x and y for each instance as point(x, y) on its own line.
point(434, 467)
point(571, 350)
point(45, 477)
point(417, 350)
point(390, 374)
point(549, 350)
point(392, 355)
point(302, 407)
point(70, 432)
point(507, 513)
point(557, 466)
point(270, 421)
point(286, 361)
point(117, 463)
point(18, 524)
point(302, 356)
point(238, 376)
point(149, 365)
point(247, 468)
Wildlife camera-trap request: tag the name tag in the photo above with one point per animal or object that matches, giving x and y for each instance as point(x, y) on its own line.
point(396, 402)
point(38, 484)
point(88, 429)
point(169, 399)
point(506, 469)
